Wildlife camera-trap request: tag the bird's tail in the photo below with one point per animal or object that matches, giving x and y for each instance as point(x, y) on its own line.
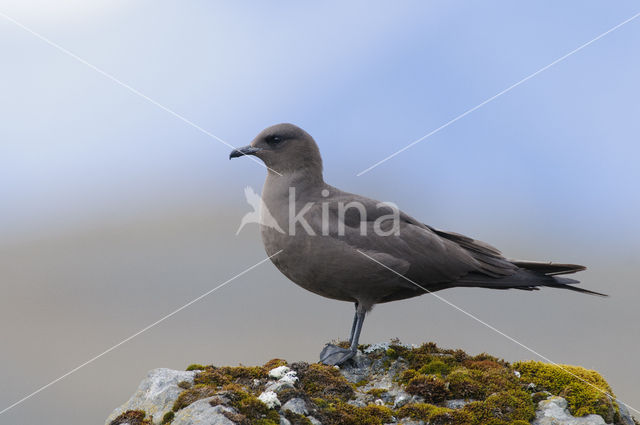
point(554, 269)
point(548, 268)
point(531, 276)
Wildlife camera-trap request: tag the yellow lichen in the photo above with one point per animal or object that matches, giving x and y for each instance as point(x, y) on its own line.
point(585, 390)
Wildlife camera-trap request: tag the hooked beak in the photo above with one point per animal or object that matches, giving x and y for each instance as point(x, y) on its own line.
point(245, 150)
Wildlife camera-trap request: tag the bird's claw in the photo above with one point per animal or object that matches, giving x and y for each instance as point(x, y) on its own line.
point(333, 355)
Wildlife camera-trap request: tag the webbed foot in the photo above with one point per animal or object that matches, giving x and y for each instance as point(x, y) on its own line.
point(333, 355)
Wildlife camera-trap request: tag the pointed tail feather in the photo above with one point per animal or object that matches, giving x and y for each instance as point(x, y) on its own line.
point(548, 268)
point(527, 279)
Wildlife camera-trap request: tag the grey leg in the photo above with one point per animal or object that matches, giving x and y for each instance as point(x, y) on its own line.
point(353, 326)
point(334, 355)
point(360, 313)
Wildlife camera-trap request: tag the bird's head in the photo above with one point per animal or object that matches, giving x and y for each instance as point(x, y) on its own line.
point(284, 148)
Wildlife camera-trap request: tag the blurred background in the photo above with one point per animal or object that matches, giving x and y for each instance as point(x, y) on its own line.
point(114, 213)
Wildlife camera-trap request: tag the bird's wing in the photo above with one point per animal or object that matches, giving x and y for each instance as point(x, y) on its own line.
point(434, 257)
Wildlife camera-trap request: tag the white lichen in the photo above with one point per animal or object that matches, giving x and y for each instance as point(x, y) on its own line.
point(279, 372)
point(270, 399)
point(289, 378)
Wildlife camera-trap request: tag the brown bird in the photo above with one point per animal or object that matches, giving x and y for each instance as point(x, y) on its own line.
point(351, 248)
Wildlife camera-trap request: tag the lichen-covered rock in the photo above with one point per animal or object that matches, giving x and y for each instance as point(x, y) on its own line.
point(554, 412)
point(585, 390)
point(625, 416)
point(156, 394)
point(297, 406)
point(202, 412)
point(456, 403)
point(383, 384)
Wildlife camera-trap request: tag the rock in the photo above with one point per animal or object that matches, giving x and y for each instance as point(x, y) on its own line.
point(278, 386)
point(411, 422)
point(284, 421)
point(296, 405)
point(202, 413)
point(357, 369)
point(384, 346)
point(457, 403)
point(380, 382)
point(625, 416)
point(401, 400)
point(286, 378)
point(156, 393)
point(553, 411)
point(314, 421)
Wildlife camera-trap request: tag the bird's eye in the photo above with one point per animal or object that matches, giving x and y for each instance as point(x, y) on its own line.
point(273, 140)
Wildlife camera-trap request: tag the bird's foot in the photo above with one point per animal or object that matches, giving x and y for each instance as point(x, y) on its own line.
point(333, 355)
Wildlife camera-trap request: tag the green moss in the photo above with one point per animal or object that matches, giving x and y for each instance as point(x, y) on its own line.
point(433, 414)
point(376, 392)
point(539, 396)
point(431, 387)
point(407, 376)
point(318, 380)
point(417, 357)
point(193, 394)
point(195, 366)
point(220, 376)
point(502, 408)
point(392, 353)
point(465, 383)
point(582, 388)
point(167, 418)
point(320, 402)
point(249, 407)
point(484, 364)
point(274, 363)
point(484, 356)
point(435, 367)
point(341, 413)
point(361, 383)
point(478, 384)
point(460, 356)
point(132, 417)
point(212, 376)
point(420, 411)
point(296, 419)
point(185, 385)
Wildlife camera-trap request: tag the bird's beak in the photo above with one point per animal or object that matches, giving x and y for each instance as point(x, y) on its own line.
point(245, 150)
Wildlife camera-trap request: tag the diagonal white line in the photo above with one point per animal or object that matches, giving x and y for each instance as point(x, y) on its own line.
point(146, 328)
point(508, 89)
point(497, 331)
point(126, 86)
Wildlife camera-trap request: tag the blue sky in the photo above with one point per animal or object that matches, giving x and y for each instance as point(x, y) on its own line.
point(365, 80)
point(546, 171)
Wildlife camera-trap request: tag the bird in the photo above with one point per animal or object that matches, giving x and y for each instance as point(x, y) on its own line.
point(352, 248)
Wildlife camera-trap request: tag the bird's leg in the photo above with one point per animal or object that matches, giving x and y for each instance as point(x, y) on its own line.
point(353, 326)
point(360, 313)
point(334, 355)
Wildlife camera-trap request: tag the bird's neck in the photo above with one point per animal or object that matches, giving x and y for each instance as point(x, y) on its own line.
point(277, 186)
